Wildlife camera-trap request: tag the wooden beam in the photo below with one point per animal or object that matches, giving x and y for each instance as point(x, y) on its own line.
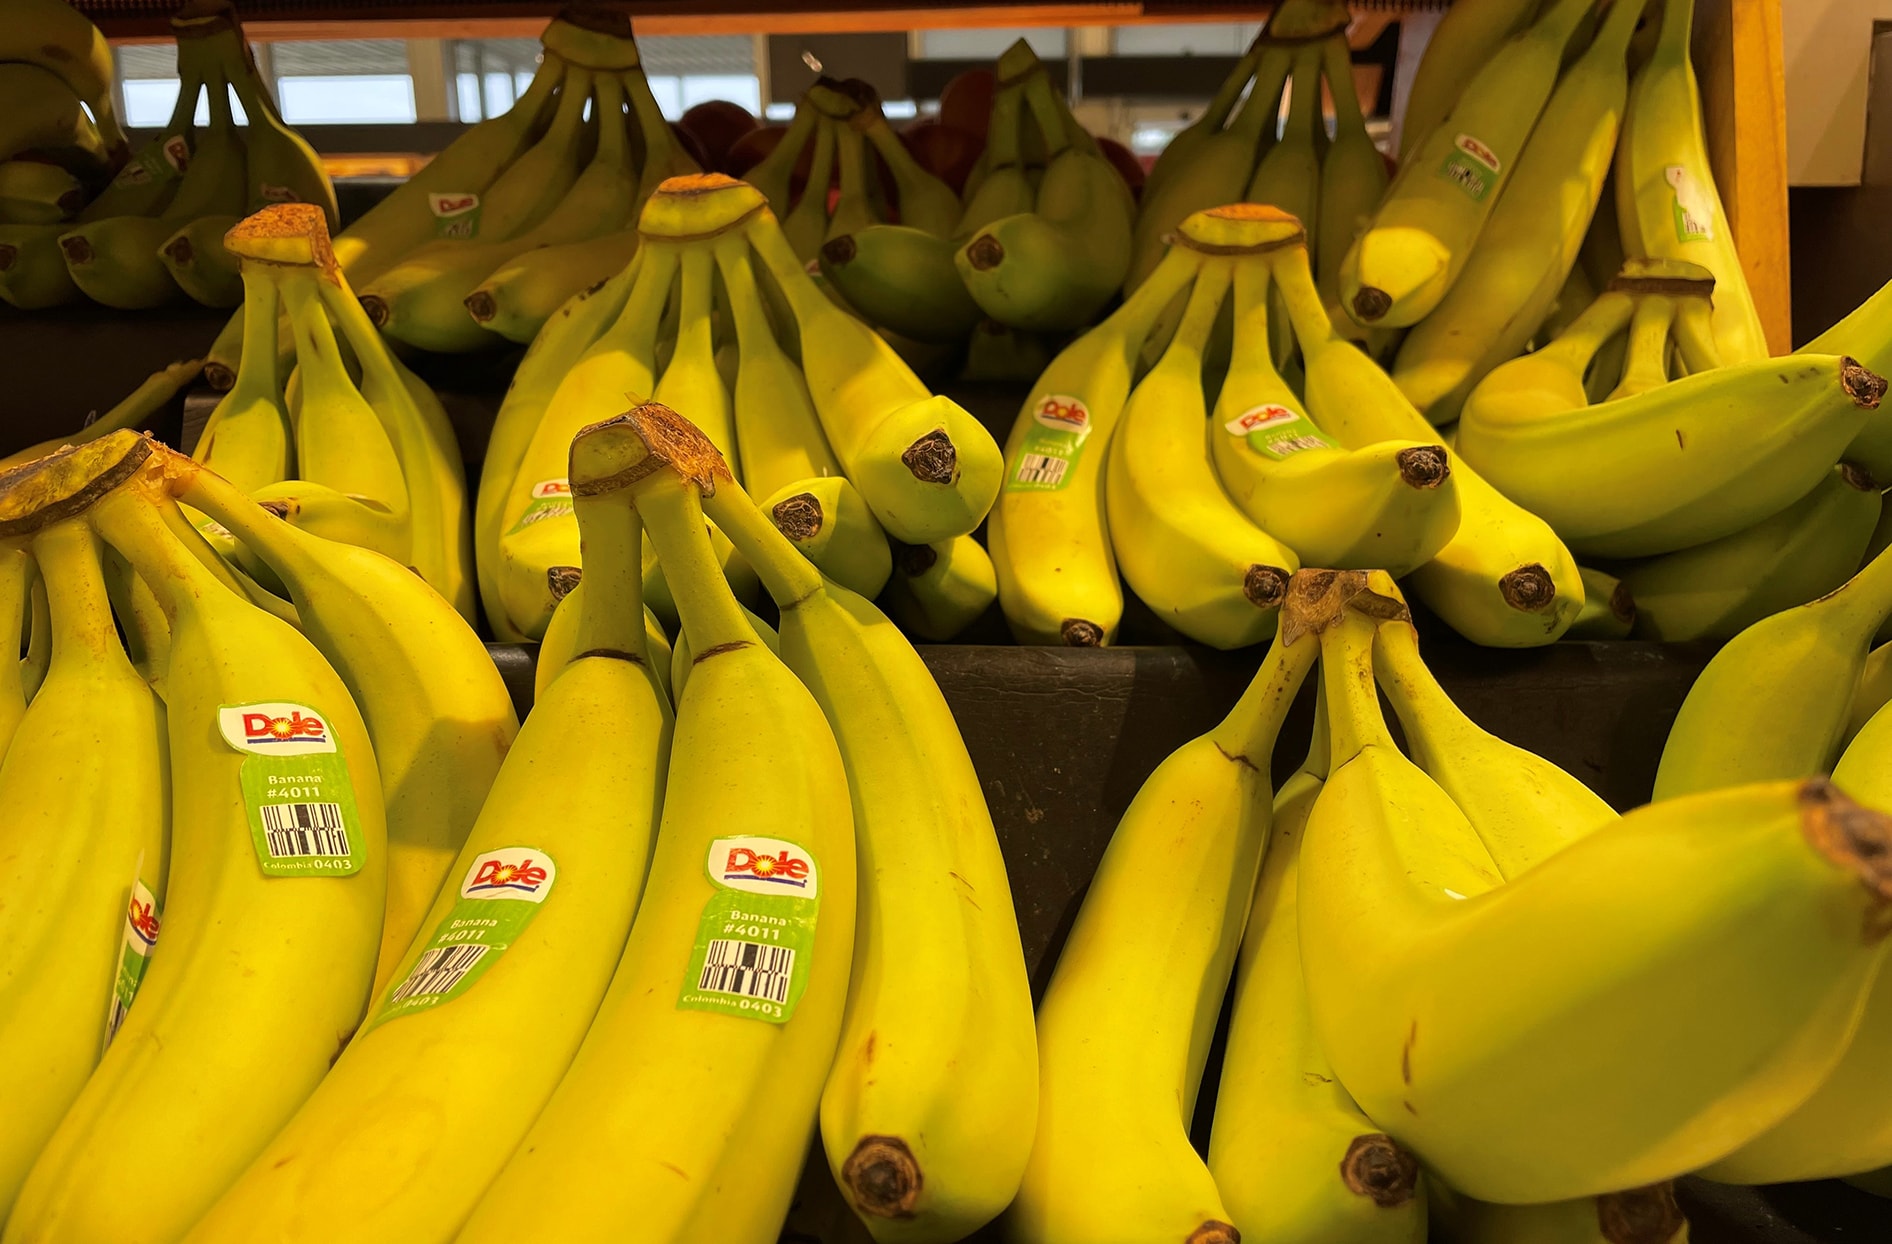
point(1737, 51)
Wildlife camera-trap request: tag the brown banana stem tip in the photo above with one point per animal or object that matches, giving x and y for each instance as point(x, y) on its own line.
point(481, 305)
point(798, 517)
point(77, 248)
point(1623, 604)
point(884, 1177)
point(1640, 1215)
point(838, 251)
point(1265, 586)
point(377, 309)
point(1371, 305)
point(291, 235)
point(1528, 589)
point(912, 560)
point(560, 580)
point(1858, 477)
point(933, 459)
point(985, 253)
point(8, 253)
point(644, 440)
point(1215, 1232)
point(1316, 599)
point(1856, 838)
point(221, 377)
point(1863, 386)
point(179, 250)
point(1077, 633)
point(1424, 466)
point(68, 480)
point(1377, 1167)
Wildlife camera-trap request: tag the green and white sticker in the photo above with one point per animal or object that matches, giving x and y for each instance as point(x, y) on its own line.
point(499, 895)
point(456, 215)
point(142, 920)
point(296, 787)
point(1054, 441)
point(551, 498)
point(164, 162)
point(1277, 432)
point(755, 943)
point(1694, 214)
point(1472, 167)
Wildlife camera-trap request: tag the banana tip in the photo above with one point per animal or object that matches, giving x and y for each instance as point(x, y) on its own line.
point(481, 305)
point(1376, 1167)
point(1214, 1232)
point(1640, 1215)
point(1528, 589)
point(377, 308)
point(1424, 466)
point(884, 1177)
point(933, 459)
point(1623, 604)
point(1852, 836)
point(560, 580)
point(1266, 587)
point(798, 517)
point(1865, 387)
point(985, 253)
point(839, 250)
point(913, 560)
point(1371, 305)
point(1079, 633)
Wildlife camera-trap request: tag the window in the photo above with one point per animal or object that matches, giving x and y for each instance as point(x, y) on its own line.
point(351, 81)
point(1193, 39)
point(1047, 41)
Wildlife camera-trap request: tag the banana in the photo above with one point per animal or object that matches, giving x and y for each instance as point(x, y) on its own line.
point(536, 530)
point(33, 272)
point(923, 201)
point(280, 165)
point(1185, 145)
point(1184, 548)
point(403, 1137)
point(936, 591)
point(1609, 608)
point(1288, 176)
point(928, 1110)
point(1053, 268)
point(437, 711)
point(1529, 247)
point(137, 408)
point(1001, 184)
point(272, 906)
point(45, 117)
point(1353, 175)
point(1719, 589)
point(84, 781)
point(58, 38)
point(1392, 505)
point(1773, 702)
point(706, 1062)
point(1125, 1024)
point(560, 644)
point(1687, 462)
point(1504, 580)
point(690, 379)
point(1048, 533)
point(683, 657)
point(1293, 1158)
point(1632, 1073)
point(1000, 354)
point(1646, 358)
point(1666, 202)
point(832, 527)
point(806, 224)
point(247, 440)
point(773, 174)
point(853, 208)
point(197, 261)
point(17, 576)
point(422, 300)
point(1640, 1216)
point(926, 467)
point(1428, 225)
point(38, 192)
point(904, 279)
point(523, 293)
point(1462, 44)
point(553, 352)
point(149, 180)
point(1523, 808)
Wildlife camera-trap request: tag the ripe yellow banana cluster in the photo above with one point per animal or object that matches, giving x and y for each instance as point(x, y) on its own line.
point(349, 445)
point(1106, 471)
point(717, 316)
point(157, 229)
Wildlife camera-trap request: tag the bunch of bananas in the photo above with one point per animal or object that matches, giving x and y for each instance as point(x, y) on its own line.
point(157, 229)
point(339, 438)
point(232, 814)
point(54, 153)
point(1105, 471)
point(1332, 184)
point(845, 445)
point(1374, 1064)
point(1727, 499)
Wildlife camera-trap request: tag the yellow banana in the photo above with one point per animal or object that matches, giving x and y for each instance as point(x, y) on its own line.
point(1609, 608)
point(936, 591)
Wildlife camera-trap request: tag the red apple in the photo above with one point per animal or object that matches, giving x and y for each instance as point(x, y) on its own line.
point(943, 150)
point(966, 101)
point(1126, 163)
point(716, 125)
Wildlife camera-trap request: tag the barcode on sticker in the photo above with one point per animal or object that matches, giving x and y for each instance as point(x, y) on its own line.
point(297, 829)
point(747, 969)
point(439, 970)
point(115, 1017)
point(1041, 469)
point(538, 514)
point(1295, 444)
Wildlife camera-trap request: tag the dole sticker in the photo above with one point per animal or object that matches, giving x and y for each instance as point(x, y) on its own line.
point(551, 488)
point(458, 203)
point(757, 865)
point(1478, 151)
point(521, 874)
point(275, 729)
point(1063, 413)
point(1259, 418)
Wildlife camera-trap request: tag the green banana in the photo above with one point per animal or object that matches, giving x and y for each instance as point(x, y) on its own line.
point(690, 379)
point(1462, 44)
point(1609, 608)
point(33, 272)
point(832, 527)
point(197, 261)
point(36, 192)
point(902, 278)
point(520, 295)
point(1353, 175)
point(247, 439)
point(935, 591)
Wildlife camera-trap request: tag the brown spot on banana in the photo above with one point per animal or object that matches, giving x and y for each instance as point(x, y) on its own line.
point(1640, 1215)
point(1078, 633)
point(1424, 466)
point(933, 459)
point(1376, 1167)
point(1528, 589)
point(798, 517)
point(883, 1176)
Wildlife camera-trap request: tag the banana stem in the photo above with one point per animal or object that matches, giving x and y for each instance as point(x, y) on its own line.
point(1223, 102)
point(147, 635)
point(1678, 23)
point(258, 374)
point(1002, 129)
point(1251, 343)
point(80, 609)
point(1045, 111)
point(1648, 365)
point(1354, 719)
point(318, 357)
point(1319, 760)
point(607, 107)
point(128, 520)
point(672, 510)
point(1249, 731)
point(787, 576)
point(1562, 19)
point(1261, 114)
point(1337, 68)
point(1293, 275)
point(611, 611)
point(1199, 315)
point(1579, 343)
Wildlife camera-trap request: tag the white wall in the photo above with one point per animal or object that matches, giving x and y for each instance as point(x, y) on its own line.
point(1827, 50)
